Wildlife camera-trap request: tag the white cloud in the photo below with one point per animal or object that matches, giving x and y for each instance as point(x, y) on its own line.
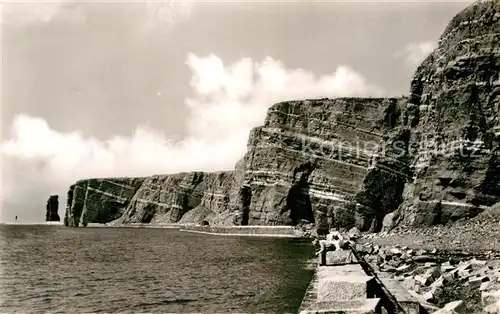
point(415, 53)
point(227, 101)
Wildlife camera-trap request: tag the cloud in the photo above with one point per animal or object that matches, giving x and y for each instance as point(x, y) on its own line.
point(226, 102)
point(415, 53)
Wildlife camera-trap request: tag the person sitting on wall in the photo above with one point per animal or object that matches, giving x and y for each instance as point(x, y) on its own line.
point(330, 242)
point(335, 241)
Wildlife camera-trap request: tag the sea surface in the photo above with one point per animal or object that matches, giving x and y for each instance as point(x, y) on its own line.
point(136, 270)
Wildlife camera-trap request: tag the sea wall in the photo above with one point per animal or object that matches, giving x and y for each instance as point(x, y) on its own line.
point(258, 231)
point(429, 158)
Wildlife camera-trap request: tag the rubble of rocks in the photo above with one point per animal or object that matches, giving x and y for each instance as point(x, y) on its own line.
point(442, 281)
point(471, 236)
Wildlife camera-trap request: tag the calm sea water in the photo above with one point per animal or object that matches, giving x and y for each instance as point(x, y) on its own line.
point(58, 269)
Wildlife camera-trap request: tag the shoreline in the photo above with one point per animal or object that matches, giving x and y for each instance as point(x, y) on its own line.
point(251, 231)
point(263, 235)
point(42, 223)
point(240, 231)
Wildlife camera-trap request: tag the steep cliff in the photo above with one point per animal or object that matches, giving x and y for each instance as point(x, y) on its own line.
point(454, 120)
point(310, 160)
point(314, 159)
point(99, 200)
point(183, 197)
point(429, 158)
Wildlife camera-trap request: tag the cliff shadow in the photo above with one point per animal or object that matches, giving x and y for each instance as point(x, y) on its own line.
point(149, 212)
point(245, 199)
point(298, 201)
point(382, 194)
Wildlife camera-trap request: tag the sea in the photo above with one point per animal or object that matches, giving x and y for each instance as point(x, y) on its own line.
point(51, 268)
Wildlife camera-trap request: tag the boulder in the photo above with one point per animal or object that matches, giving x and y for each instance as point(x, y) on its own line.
point(428, 296)
point(464, 269)
point(403, 268)
point(490, 297)
point(396, 251)
point(464, 274)
point(457, 307)
point(423, 280)
point(485, 286)
point(464, 266)
point(446, 268)
point(439, 283)
point(389, 221)
point(451, 275)
point(475, 282)
point(437, 291)
point(354, 233)
point(493, 308)
point(424, 258)
point(421, 252)
point(477, 262)
point(432, 273)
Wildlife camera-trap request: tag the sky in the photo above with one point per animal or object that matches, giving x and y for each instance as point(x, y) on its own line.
point(99, 89)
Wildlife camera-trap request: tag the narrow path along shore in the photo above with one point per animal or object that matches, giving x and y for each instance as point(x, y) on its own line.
point(250, 231)
point(254, 231)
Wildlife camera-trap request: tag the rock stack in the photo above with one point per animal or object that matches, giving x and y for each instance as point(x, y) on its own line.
point(52, 209)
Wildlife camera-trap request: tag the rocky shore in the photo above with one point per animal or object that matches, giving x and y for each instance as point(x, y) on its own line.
point(443, 278)
point(471, 237)
point(246, 231)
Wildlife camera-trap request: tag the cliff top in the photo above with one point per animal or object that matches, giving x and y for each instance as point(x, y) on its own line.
point(470, 13)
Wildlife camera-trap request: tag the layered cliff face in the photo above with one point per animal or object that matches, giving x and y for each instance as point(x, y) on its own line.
point(186, 197)
point(454, 118)
point(429, 158)
point(99, 200)
point(313, 159)
point(183, 197)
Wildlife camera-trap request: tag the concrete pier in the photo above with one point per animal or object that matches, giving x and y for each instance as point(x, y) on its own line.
point(346, 284)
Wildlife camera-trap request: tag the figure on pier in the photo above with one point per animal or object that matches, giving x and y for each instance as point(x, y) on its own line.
point(335, 241)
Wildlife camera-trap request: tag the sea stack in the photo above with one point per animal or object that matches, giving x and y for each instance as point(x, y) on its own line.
point(52, 208)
